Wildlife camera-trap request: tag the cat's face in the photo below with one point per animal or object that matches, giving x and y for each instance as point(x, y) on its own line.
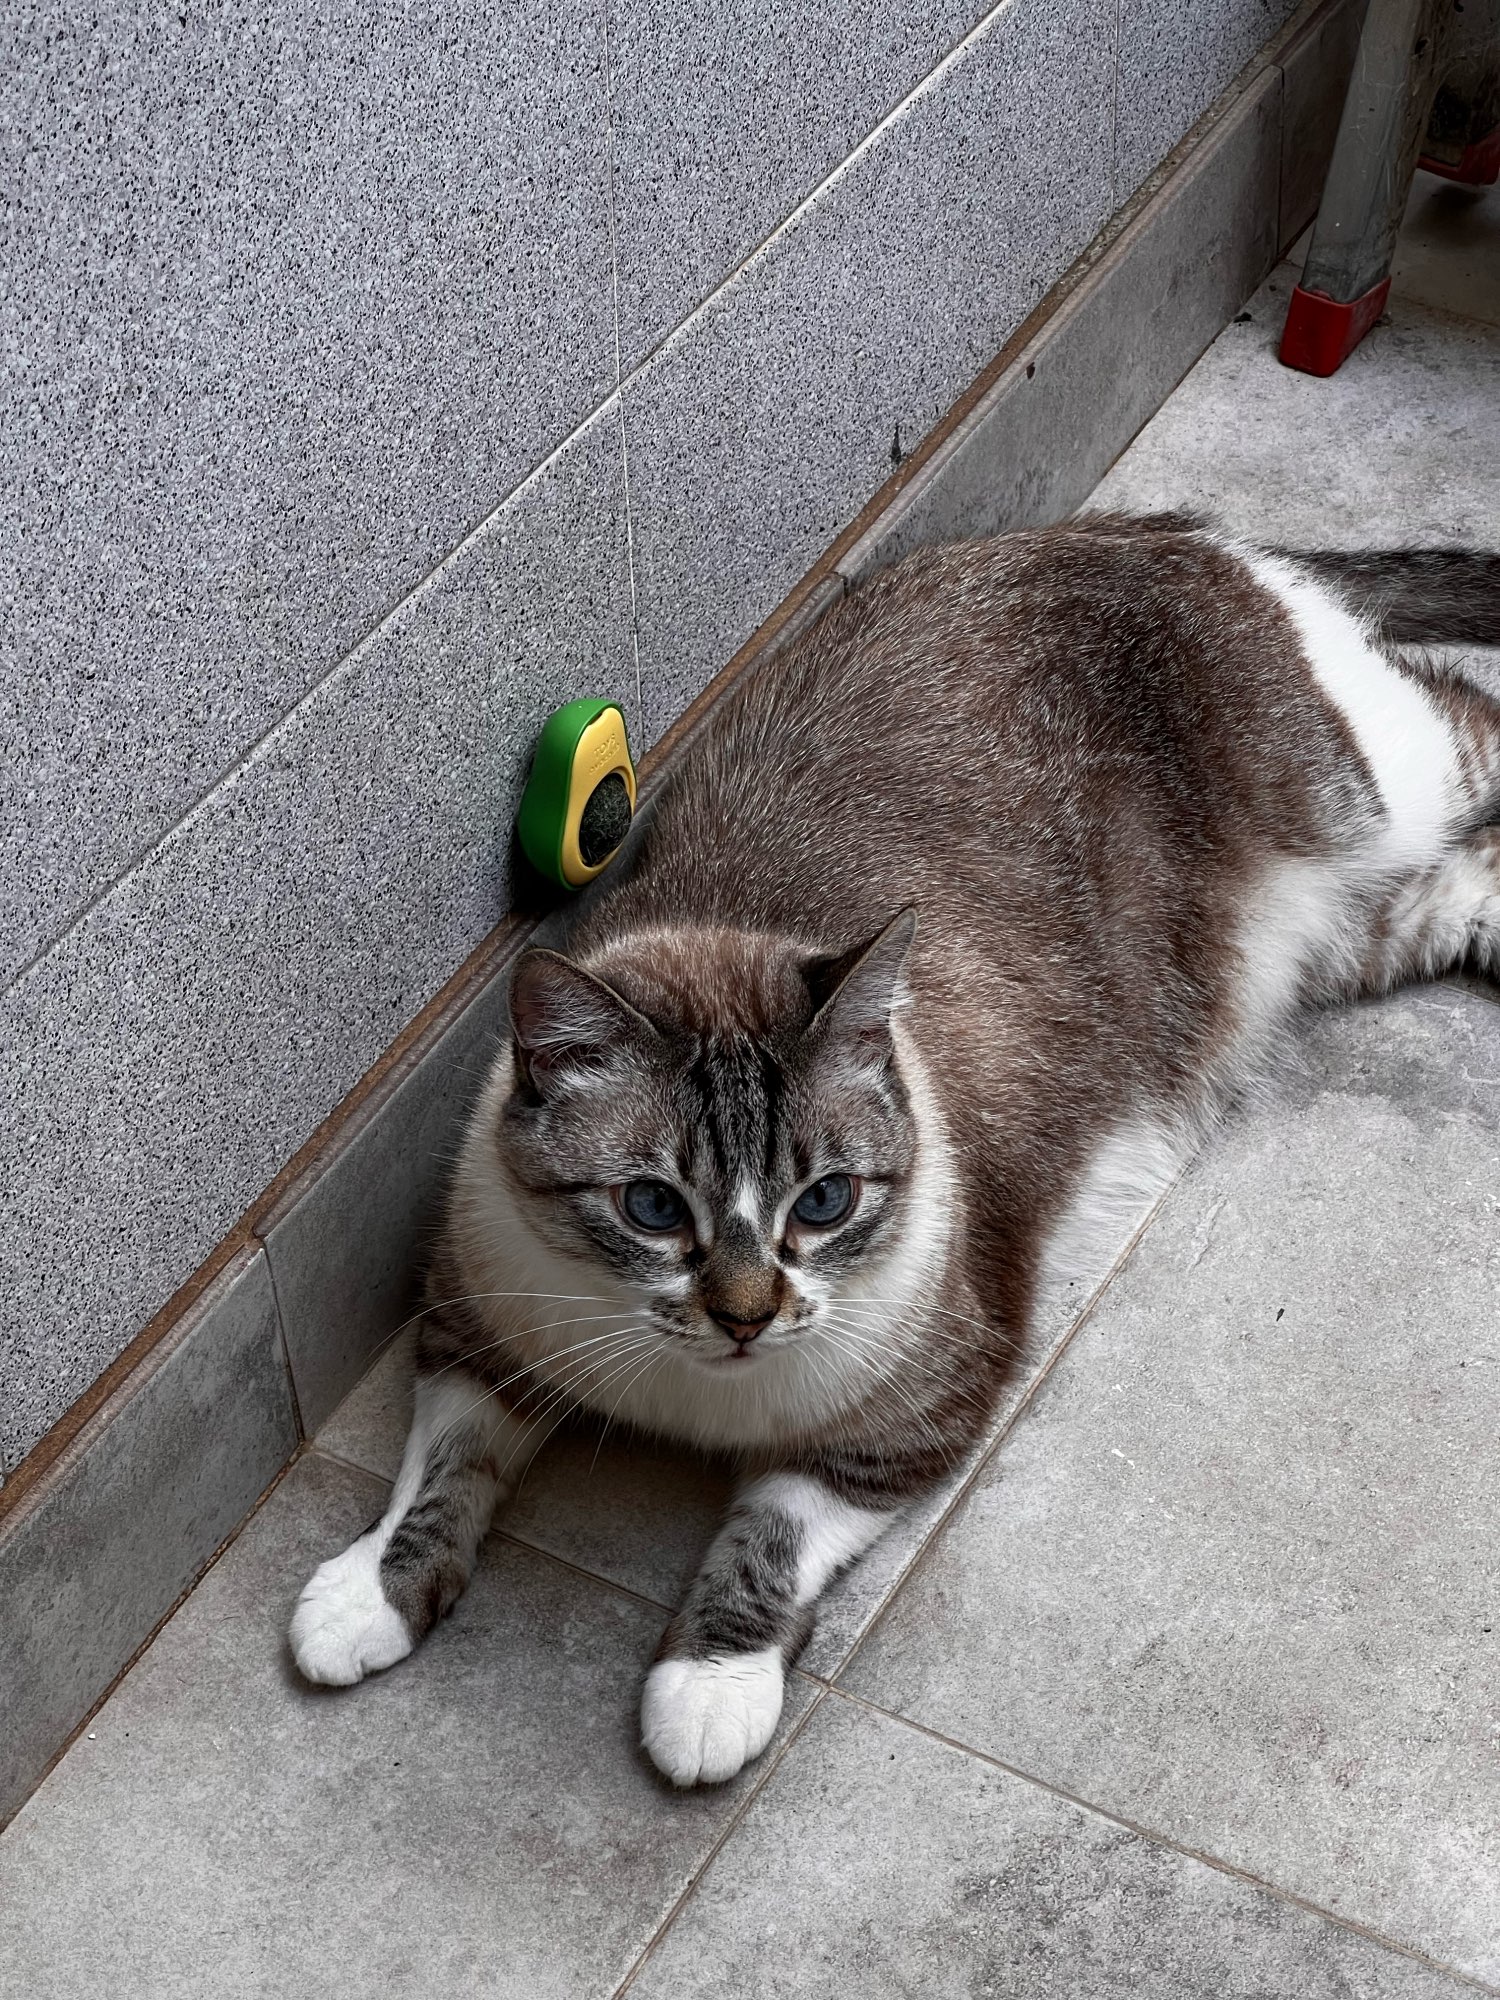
point(721, 1126)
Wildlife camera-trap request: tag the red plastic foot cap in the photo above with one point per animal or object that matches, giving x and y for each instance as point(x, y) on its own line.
point(1321, 333)
point(1476, 166)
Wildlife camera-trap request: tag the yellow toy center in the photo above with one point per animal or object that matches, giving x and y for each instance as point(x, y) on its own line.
point(601, 749)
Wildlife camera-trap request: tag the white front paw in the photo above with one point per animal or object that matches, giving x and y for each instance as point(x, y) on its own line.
point(702, 1720)
point(344, 1626)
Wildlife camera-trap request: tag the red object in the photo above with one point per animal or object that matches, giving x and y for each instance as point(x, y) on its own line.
point(1478, 165)
point(1321, 333)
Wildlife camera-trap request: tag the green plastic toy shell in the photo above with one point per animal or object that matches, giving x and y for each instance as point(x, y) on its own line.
point(542, 821)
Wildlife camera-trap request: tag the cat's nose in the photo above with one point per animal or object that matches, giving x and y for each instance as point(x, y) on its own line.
point(741, 1330)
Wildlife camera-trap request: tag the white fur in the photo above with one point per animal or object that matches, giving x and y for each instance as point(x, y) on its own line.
point(1307, 927)
point(831, 1532)
point(1406, 741)
point(344, 1627)
point(703, 1720)
point(1129, 1169)
point(1307, 923)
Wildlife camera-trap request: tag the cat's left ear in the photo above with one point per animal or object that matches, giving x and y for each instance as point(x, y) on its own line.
point(569, 1029)
point(856, 994)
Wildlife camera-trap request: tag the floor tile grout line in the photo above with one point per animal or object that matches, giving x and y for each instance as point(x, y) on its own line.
point(1007, 1425)
point(737, 1820)
point(673, 336)
point(500, 1533)
point(122, 1672)
point(1165, 1840)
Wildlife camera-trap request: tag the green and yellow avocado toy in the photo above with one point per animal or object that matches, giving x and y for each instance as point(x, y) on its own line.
point(580, 797)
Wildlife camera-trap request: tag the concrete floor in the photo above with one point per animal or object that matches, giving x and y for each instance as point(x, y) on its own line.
point(1189, 1686)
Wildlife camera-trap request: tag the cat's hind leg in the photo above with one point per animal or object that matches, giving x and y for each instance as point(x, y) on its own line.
point(366, 1608)
point(1442, 918)
point(712, 1700)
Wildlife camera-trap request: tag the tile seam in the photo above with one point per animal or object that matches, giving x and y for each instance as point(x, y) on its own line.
point(1165, 1840)
point(737, 1820)
point(151, 1638)
point(498, 1532)
point(424, 584)
point(990, 1450)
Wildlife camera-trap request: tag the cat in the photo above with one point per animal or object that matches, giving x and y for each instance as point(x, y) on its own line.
point(969, 910)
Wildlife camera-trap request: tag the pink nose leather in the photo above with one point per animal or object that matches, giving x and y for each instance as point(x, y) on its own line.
point(743, 1330)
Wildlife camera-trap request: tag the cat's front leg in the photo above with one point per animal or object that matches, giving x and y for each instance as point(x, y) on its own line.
point(713, 1698)
point(366, 1609)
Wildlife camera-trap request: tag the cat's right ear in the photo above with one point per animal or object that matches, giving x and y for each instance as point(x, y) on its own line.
point(570, 1029)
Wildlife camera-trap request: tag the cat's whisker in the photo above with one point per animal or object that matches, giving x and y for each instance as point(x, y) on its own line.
point(523, 1333)
point(493, 1390)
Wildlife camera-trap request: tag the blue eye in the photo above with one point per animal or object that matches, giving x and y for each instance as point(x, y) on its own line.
point(825, 1202)
point(653, 1205)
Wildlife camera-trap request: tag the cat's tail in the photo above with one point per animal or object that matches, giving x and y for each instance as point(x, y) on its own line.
point(1420, 596)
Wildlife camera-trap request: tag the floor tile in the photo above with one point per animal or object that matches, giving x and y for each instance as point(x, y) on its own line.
point(1399, 447)
point(1449, 252)
point(880, 1863)
point(478, 1820)
point(123, 1522)
point(1233, 1576)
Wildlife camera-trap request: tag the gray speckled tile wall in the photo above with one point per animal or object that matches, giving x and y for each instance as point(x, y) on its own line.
point(761, 429)
point(1174, 61)
point(125, 1521)
point(724, 115)
point(1034, 446)
point(177, 1046)
point(279, 333)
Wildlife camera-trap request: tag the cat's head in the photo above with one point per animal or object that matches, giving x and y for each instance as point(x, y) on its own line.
point(718, 1123)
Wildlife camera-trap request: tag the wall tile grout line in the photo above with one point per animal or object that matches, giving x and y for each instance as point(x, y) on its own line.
point(500, 1533)
point(614, 271)
point(1160, 1839)
point(249, 755)
point(281, 1341)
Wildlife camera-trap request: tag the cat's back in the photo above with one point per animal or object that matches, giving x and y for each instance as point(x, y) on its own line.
point(991, 713)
